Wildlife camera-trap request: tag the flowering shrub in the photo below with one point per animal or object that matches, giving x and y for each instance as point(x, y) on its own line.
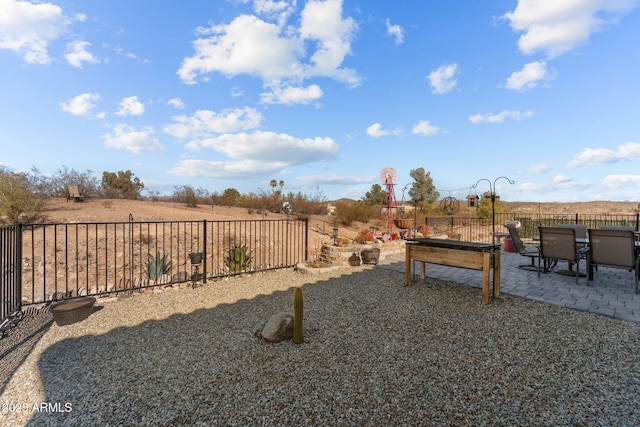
point(365, 236)
point(425, 230)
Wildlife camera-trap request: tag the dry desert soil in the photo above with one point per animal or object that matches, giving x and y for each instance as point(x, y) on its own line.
point(59, 210)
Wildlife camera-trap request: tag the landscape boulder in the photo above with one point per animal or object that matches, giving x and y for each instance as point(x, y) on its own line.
point(279, 327)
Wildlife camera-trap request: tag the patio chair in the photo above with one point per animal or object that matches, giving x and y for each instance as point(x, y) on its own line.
point(614, 248)
point(559, 243)
point(581, 234)
point(522, 249)
point(617, 227)
point(74, 193)
point(581, 230)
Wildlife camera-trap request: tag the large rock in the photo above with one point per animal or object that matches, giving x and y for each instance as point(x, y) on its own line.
point(279, 327)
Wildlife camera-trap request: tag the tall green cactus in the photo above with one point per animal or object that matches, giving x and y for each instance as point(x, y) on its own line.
point(298, 314)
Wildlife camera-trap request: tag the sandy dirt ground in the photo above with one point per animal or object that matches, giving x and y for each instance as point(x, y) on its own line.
point(59, 210)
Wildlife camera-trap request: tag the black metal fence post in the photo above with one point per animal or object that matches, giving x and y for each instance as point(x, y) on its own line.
point(204, 251)
point(10, 270)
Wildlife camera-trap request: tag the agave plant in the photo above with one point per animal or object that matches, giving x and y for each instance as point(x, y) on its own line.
point(157, 266)
point(238, 259)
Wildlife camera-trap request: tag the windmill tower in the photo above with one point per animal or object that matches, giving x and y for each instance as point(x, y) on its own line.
point(388, 176)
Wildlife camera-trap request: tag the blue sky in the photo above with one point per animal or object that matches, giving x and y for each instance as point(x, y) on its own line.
point(325, 94)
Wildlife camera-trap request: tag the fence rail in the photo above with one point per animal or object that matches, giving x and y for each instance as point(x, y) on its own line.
point(66, 260)
point(10, 256)
point(474, 229)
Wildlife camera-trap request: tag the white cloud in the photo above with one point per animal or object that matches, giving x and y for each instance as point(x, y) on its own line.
point(130, 107)
point(247, 45)
point(556, 27)
point(128, 138)
point(224, 169)
point(603, 156)
point(292, 95)
point(176, 103)
point(206, 123)
point(321, 21)
point(255, 154)
point(561, 179)
point(396, 32)
point(443, 79)
point(559, 183)
point(121, 52)
point(28, 28)
point(276, 52)
point(376, 131)
point(279, 11)
point(616, 182)
point(529, 76)
point(538, 168)
point(500, 117)
point(81, 105)
point(270, 147)
point(333, 179)
point(424, 127)
point(77, 54)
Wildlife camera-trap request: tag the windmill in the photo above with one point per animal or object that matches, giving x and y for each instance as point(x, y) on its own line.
point(388, 176)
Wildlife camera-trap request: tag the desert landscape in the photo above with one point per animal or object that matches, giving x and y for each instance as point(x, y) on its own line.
point(59, 210)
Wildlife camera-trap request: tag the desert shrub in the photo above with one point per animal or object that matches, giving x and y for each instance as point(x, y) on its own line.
point(88, 184)
point(349, 212)
point(230, 197)
point(19, 198)
point(154, 195)
point(191, 197)
point(308, 204)
point(121, 185)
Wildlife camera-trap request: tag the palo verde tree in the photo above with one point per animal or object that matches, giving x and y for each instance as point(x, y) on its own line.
point(422, 188)
point(121, 185)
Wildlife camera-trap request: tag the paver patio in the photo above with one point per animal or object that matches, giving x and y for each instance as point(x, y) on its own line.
point(609, 294)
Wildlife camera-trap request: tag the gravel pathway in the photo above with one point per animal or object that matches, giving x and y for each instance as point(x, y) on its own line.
point(375, 354)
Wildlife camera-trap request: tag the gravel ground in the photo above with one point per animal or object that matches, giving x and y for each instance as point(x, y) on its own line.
point(375, 353)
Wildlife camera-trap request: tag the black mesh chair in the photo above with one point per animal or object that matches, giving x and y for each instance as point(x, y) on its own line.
point(522, 249)
point(616, 248)
point(559, 243)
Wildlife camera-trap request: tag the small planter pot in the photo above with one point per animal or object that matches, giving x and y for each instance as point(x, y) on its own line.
point(370, 256)
point(196, 258)
point(354, 260)
point(72, 311)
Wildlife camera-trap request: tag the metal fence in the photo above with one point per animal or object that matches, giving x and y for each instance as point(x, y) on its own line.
point(472, 229)
point(10, 256)
point(76, 259)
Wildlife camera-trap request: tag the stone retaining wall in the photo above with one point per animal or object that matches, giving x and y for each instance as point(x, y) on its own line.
point(339, 255)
